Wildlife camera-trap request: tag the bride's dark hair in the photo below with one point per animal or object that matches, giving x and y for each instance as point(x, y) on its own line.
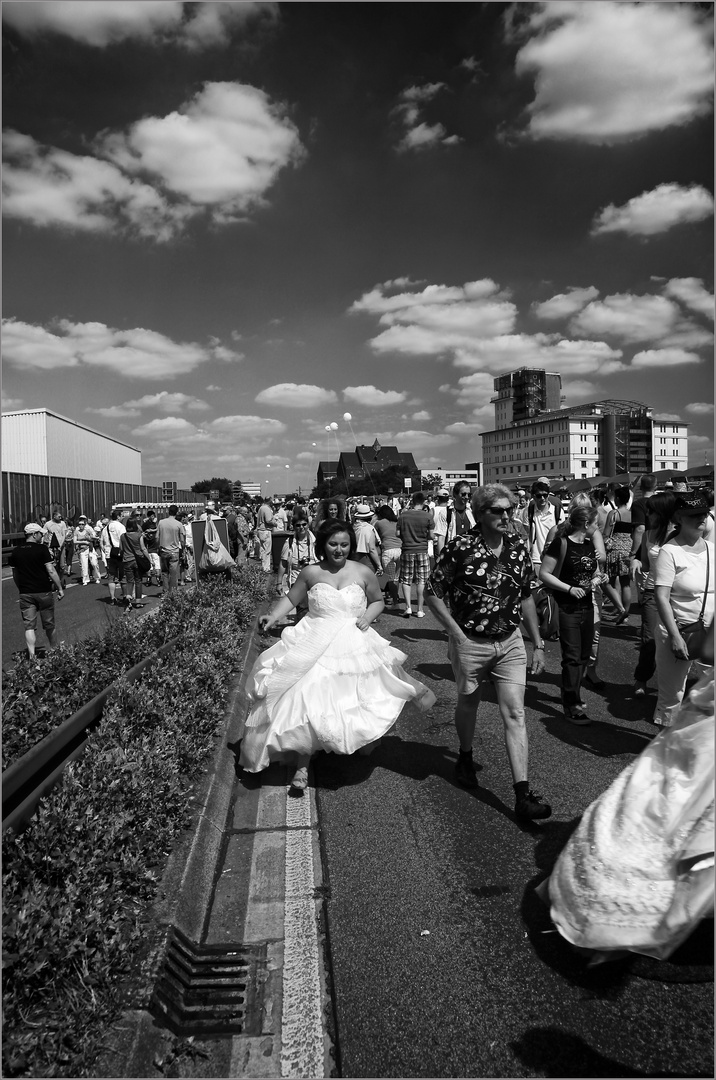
point(328, 529)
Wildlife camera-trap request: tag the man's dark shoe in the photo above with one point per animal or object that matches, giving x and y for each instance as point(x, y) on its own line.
point(529, 807)
point(465, 770)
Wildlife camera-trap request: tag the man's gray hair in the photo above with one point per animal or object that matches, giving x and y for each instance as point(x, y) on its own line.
point(485, 496)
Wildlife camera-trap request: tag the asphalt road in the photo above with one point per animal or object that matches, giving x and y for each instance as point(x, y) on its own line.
point(443, 959)
point(83, 611)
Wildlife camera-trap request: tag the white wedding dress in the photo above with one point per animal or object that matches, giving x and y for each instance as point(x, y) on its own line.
point(326, 685)
point(638, 873)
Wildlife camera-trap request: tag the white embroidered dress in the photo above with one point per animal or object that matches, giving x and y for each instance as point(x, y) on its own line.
point(326, 685)
point(638, 872)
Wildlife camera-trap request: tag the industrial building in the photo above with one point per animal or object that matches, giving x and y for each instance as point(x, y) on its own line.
point(44, 443)
point(50, 462)
point(599, 438)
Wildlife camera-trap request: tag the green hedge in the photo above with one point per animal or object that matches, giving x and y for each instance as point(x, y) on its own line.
point(80, 881)
point(38, 697)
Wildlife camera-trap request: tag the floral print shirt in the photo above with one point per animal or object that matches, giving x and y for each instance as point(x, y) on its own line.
point(484, 590)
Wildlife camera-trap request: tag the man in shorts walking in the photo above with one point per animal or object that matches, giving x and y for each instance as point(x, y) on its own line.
point(485, 576)
point(415, 529)
point(34, 574)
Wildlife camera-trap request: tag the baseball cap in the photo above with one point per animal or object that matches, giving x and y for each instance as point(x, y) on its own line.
point(33, 527)
point(691, 502)
point(82, 517)
point(443, 491)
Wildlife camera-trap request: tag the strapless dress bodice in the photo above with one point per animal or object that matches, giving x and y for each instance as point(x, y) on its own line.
point(346, 603)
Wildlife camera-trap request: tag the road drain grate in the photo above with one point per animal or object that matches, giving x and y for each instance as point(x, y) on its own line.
point(209, 989)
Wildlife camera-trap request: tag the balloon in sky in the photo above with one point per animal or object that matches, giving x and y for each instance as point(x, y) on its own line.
point(328, 427)
point(347, 416)
point(334, 426)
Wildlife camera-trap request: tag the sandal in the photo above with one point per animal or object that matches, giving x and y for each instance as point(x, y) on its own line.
point(300, 779)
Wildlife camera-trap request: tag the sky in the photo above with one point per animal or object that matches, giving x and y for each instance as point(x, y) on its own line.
point(229, 226)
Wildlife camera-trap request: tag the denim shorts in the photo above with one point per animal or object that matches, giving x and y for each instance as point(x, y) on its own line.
point(474, 660)
point(33, 603)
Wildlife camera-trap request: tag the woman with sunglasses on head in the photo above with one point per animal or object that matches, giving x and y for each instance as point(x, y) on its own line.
point(570, 564)
point(331, 683)
point(683, 585)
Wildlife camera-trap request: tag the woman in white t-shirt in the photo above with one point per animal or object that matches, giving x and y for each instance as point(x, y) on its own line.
point(683, 585)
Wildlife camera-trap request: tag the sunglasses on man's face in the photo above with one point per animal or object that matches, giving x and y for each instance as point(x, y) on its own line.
point(500, 510)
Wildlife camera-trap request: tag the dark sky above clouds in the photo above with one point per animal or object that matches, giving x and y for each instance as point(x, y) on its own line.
point(228, 224)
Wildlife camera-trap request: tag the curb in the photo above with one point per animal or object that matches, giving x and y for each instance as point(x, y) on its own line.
point(187, 885)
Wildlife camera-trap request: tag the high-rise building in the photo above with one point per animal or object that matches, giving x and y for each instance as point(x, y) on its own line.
point(522, 394)
point(599, 438)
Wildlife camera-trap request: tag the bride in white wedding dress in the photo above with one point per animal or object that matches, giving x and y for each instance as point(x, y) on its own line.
point(638, 873)
point(331, 682)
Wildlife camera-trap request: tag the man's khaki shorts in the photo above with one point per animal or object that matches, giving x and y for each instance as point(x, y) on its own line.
point(474, 660)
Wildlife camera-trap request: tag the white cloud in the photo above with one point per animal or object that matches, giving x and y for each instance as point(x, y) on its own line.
point(418, 134)
point(218, 154)
point(423, 414)
point(115, 412)
point(166, 402)
point(656, 211)
point(700, 408)
point(158, 22)
point(563, 305)
point(666, 416)
point(10, 404)
point(223, 149)
point(661, 358)
point(170, 427)
point(547, 351)
point(577, 390)
point(49, 187)
point(608, 71)
point(297, 396)
point(370, 396)
point(254, 429)
point(215, 389)
point(133, 354)
point(628, 317)
point(691, 292)
point(438, 319)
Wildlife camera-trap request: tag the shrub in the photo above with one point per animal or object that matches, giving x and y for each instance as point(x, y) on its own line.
point(38, 697)
point(79, 882)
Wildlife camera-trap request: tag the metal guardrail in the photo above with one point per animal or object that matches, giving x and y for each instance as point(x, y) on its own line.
point(34, 774)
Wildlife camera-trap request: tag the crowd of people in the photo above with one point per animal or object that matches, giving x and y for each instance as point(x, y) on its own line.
point(479, 561)
point(332, 683)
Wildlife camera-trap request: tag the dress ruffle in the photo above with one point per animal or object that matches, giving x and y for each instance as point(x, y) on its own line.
point(326, 685)
point(638, 872)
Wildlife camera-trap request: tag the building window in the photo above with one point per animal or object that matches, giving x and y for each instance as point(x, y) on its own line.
point(663, 464)
point(584, 464)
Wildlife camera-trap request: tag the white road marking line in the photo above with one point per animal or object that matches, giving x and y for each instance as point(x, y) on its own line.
point(302, 1034)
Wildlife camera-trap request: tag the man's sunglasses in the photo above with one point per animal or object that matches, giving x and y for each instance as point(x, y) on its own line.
point(500, 510)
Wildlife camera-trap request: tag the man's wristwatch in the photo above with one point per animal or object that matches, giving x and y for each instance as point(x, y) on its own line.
point(540, 645)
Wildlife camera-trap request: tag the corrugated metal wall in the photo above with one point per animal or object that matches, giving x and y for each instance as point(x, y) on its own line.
point(38, 442)
point(27, 497)
point(70, 447)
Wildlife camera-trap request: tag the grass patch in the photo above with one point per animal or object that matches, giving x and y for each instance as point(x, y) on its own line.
point(80, 881)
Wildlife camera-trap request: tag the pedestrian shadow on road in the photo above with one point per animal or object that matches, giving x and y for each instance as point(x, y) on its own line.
point(413, 635)
point(601, 738)
point(551, 1052)
point(417, 760)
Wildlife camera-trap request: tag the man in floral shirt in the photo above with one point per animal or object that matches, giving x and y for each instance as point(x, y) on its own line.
point(485, 577)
